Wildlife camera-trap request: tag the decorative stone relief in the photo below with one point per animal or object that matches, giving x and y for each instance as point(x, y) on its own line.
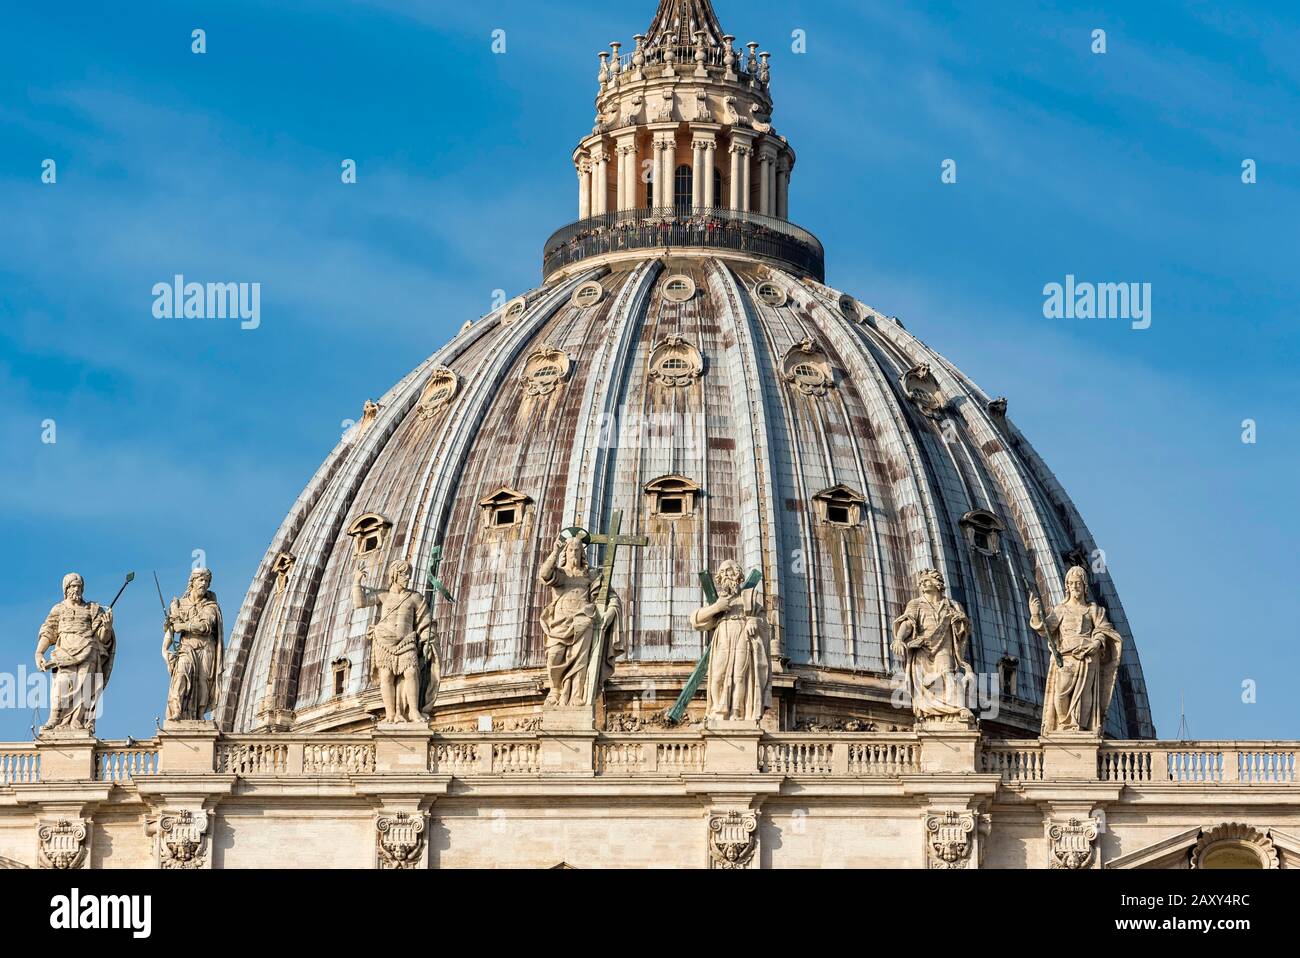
point(193, 640)
point(923, 389)
point(1072, 843)
point(632, 110)
point(733, 839)
point(1234, 845)
point(740, 665)
point(79, 637)
point(400, 841)
point(930, 650)
point(438, 392)
point(998, 407)
point(675, 362)
point(808, 370)
point(546, 370)
point(663, 110)
point(1085, 656)
point(369, 413)
point(699, 107)
point(948, 839)
point(183, 839)
point(62, 844)
point(282, 567)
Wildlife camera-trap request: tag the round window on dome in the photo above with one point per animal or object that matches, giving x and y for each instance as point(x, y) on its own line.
point(850, 308)
point(679, 288)
point(771, 294)
point(588, 295)
point(515, 308)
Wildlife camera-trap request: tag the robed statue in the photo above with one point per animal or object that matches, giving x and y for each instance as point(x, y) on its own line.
point(81, 643)
point(740, 670)
point(1085, 658)
point(930, 648)
point(193, 637)
point(403, 648)
point(574, 623)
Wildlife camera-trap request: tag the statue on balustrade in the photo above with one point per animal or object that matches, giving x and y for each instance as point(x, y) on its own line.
point(740, 670)
point(193, 637)
point(403, 648)
point(1085, 658)
point(930, 650)
point(574, 623)
point(81, 643)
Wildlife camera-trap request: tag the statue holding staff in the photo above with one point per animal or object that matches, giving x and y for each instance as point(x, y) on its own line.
point(81, 643)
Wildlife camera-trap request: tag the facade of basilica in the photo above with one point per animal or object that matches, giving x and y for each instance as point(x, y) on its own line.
point(682, 559)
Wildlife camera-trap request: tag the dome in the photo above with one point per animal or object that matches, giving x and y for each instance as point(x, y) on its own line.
point(683, 368)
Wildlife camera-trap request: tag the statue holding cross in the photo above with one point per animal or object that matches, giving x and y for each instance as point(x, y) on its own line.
point(739, 665)
point(583, 623)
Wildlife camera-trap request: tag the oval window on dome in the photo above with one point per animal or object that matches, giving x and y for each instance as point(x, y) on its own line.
point(588, 295)
point(515, 308)
point(849, 308)
point(771, 294)
point(679, 288)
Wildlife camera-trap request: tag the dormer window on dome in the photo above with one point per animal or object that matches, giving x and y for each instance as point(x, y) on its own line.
point(983, 531)
point(368, 534)
point(808, 370)
point(675, 362)
point(672, 497)
point(840, 506)
point(504, 508)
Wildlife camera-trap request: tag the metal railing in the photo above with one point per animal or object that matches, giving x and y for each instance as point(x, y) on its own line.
point(668, 228)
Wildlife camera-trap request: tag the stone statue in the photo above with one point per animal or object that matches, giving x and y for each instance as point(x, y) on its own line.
point(193, 637)
point(1085, 658)
point(403, 649)
point(571, 621)
point(80, 639)
point(929, 646)
point(740, 671)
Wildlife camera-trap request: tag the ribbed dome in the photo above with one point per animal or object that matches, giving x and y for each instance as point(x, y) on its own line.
point(760, 416)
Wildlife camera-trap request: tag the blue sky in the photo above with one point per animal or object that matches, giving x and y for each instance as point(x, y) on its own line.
point(180, 435)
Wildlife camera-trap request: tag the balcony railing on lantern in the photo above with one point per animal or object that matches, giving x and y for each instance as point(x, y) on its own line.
point(682, 228)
